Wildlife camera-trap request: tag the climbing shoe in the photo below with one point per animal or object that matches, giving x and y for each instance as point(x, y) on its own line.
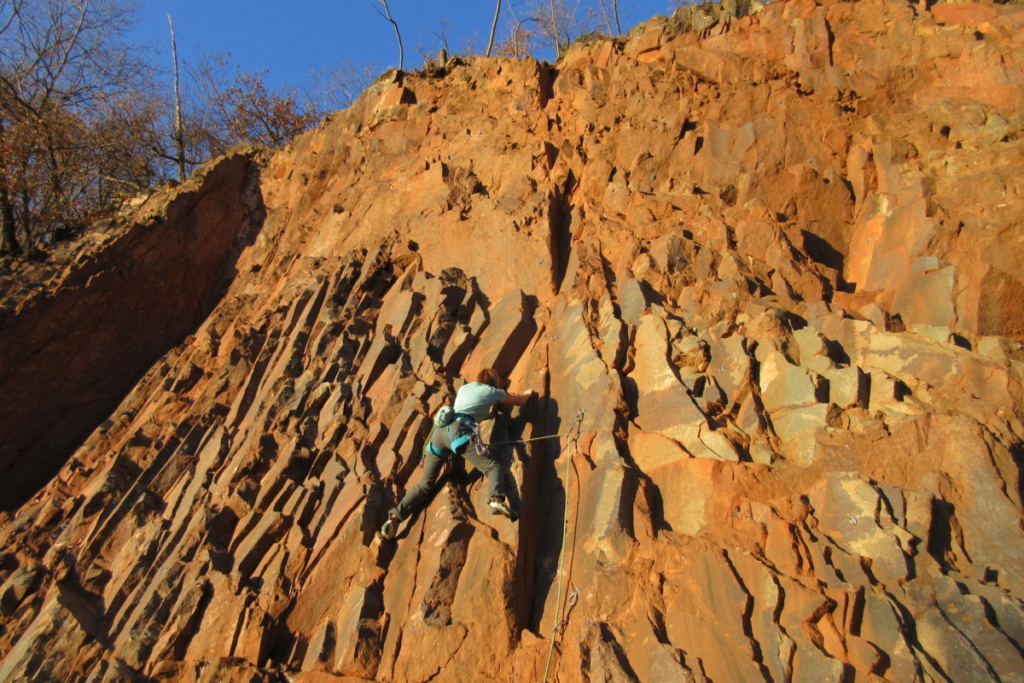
point(500, 507)
point(390, 528)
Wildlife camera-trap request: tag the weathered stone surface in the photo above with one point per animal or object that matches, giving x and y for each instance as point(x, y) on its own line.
point(761, 265)
point(847, 387)
point(851, 512)
point(791, 387)
point(664, 405)
point(510, 332)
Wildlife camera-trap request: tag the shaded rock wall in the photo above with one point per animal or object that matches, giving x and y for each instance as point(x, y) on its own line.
point(768, 262)
point(74, 348)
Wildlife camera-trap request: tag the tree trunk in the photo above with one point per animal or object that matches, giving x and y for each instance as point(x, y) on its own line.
point(179, 127)
point(554, 30)
point(8, 228)
point(8, 233)
point(401, 51)
point(494, 27)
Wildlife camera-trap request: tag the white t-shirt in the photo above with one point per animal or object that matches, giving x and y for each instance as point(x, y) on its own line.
point(476, 398)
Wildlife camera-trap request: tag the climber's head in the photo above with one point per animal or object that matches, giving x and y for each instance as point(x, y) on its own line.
point(490, 377)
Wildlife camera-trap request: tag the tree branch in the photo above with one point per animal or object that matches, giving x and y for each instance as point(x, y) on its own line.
point(401, 51)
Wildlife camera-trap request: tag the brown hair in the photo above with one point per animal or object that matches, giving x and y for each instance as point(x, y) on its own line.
point(490, 377)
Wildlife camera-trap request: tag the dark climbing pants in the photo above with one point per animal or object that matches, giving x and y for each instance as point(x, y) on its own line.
point(419, 495)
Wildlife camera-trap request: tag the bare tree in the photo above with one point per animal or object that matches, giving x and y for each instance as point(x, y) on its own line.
point(261, 116)
point(553, 27)
point(611, 22)
point(545, 24)
point(442, 34)
point(387, 15)
point(232, 106)
point(120, 143)
point(179, 128)
point(494, 27)
point(338, 88)
point(179, 125)
point(61, 62)
point(520, 40)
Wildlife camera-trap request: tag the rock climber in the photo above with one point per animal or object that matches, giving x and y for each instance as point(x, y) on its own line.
point(460, 436)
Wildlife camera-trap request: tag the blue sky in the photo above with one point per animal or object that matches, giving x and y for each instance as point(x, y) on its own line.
point(292, 39)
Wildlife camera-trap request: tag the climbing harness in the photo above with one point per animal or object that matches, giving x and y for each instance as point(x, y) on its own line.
point(466, 431)
point(470, 434)
point(446, 417)
point(562, 622)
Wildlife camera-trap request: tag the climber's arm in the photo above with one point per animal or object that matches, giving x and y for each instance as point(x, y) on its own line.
point(517, 399)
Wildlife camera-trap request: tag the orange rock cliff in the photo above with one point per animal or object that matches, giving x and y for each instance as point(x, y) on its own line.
point(764, 266)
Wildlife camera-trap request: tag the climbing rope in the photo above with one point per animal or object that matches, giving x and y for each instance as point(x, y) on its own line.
point(561, 622)
point(536, 438)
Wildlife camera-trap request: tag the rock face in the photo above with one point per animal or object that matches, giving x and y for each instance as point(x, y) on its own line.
point(130, 295)
point(764, 273)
